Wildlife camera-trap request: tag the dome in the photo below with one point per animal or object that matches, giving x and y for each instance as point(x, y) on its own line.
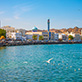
point(34, 29)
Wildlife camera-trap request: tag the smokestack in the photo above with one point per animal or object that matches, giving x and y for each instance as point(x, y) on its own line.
point(48, 25)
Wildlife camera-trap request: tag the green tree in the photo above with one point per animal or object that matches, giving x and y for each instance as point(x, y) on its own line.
point(70, 37)
point(2, 32)
point(81, 38)
point(34, 37)
point(41, 38)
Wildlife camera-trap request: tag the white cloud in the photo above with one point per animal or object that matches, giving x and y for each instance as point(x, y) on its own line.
point(7, 19)
point(20, 10)
point(16, 17)
point(2, 12)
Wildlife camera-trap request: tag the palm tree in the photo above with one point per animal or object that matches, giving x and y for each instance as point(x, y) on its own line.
point(41, 37)
point(34, 37)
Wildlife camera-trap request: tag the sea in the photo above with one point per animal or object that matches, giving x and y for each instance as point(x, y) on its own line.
point(41, 63)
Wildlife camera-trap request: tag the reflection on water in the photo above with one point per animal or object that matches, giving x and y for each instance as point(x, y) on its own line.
point(2, 48)
point(41, 63)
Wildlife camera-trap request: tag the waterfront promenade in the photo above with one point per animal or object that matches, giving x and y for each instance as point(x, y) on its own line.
point(18, 43)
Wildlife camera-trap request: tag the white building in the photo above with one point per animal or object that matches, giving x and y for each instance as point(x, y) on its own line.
point(34, 32)
point(22, 31)
point(62, 36)
point(56, 36)
point(13, 35)
point(76, 36)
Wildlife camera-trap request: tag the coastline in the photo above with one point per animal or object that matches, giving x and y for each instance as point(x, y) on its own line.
point(35, 43)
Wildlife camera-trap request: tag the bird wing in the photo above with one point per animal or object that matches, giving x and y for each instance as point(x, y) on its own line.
point(50, 59)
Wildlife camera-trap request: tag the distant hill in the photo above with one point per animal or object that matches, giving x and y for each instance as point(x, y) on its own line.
point(75, 30)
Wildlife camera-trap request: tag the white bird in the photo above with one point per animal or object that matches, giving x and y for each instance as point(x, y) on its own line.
point(25, 62)
point(74, 69)
point(66, 67)
point(58, 63)
point(78, 68)
point(70, 66)
point(49, 60)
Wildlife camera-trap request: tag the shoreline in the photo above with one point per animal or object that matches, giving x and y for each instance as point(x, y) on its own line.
point(35, 43)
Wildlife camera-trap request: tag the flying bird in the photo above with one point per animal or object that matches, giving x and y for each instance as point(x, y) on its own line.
point(25, 62)
point(49, 60)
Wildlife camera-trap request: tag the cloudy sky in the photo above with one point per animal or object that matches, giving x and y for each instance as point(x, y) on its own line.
point(28, 13)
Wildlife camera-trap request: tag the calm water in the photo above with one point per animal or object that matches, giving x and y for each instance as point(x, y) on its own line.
point(28, 63)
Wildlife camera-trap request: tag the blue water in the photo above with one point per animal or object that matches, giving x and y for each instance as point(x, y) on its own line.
point(28, 63)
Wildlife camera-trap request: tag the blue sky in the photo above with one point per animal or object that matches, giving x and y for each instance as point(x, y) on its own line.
point(28, 13)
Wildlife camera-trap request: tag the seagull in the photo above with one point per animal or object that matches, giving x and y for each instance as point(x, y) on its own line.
point(66, 67)
point(74, 69)
point(58, 63)
point(70, 66)
point(25, 62)
point(49, 60)
point(78, 68)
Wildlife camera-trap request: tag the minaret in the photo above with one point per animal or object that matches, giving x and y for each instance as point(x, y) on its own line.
point(49, 33)
point(48, 25)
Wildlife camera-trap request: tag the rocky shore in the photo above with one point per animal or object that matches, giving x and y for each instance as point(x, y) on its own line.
point(34, 43)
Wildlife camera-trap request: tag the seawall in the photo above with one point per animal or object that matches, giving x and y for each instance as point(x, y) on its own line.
point(36, 43)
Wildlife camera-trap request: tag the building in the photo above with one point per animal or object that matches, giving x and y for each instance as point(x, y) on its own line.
point(8, 29)
point(13, 35)
point(77, 37)
point(35, 32)
point(22, 31)
point(56, 36)
point(62, 36)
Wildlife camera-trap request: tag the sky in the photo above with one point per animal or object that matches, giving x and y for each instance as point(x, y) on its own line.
point(26, 14)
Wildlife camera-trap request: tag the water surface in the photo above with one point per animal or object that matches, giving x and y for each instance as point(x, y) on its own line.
point(28, 63)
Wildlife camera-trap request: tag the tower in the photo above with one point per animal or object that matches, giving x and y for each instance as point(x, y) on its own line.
point(48, 25)
point(49, 33)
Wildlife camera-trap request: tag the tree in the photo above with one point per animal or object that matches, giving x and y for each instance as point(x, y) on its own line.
point(41, 37)
point(2, 33)
point(34, 37)
point(70, 37)
point(2, 37)
point(81, 38)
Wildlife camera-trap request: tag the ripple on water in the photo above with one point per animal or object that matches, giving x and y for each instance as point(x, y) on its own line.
point(28, 63)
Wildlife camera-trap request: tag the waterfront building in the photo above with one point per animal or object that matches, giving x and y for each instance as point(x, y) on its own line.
point(22, 31)
point(35, 32)
point(62, 36)
point(76, 36)
point(13, 35)
point(56, 36)
point(71, 33)
point(81, 33)
point(8, 28)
